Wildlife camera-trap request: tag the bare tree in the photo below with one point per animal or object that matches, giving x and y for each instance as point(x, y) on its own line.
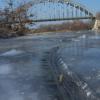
point(16, 15)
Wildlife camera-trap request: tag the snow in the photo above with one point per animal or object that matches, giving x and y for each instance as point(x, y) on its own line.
point(12, 52)
point(69, 73)
point(62, 62)
point(65, 66)
point(85, 85)
point(88, 93)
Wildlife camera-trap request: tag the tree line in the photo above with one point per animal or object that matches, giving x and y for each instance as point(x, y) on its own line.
point(14, 16)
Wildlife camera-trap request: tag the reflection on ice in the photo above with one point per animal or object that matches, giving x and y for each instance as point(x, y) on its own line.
point(5, 69)
point(83, 36)
point(95, 37)
point(12, 52)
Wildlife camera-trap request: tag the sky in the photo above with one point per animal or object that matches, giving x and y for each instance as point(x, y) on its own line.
point(93, 5)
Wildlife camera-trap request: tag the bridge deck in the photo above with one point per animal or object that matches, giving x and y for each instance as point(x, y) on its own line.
point(46, 20)
point(61, 19)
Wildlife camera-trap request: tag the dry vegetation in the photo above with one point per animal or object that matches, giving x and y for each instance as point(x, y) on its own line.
point(67, 26)
point(13, 20)
point(98, 16)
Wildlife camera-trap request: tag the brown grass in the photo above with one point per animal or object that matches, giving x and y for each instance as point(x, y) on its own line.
point(68, 26)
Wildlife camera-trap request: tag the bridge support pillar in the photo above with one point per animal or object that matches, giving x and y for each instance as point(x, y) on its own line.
point(97, 25)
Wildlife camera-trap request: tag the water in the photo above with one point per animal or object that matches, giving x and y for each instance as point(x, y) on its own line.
point(83, 58)
point(21, 73)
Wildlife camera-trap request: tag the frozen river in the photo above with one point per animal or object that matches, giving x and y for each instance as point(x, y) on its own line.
point(82, 56)
point(21, 73)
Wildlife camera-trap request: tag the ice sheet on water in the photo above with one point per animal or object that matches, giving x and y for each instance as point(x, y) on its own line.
point(83, 36)
point(75, 40)
point(17, 96)
point(5, 69)
point(12, 52)
point(95, 37)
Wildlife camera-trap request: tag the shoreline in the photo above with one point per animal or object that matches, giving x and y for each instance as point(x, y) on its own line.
point(16, 34)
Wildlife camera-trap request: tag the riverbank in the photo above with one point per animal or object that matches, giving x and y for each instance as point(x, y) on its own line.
point(74, 26)
point(8, 35)
point(5, 33)
point(65, 26)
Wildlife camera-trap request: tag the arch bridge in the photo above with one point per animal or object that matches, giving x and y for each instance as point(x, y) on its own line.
point(58, 10)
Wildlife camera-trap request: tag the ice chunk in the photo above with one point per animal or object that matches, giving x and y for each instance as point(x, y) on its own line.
point(69, 73)
point(12, 52)
point(88, 93)
point(65, 66)
point(84, 86)
point(61, 62)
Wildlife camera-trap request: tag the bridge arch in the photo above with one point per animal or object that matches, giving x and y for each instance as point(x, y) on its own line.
point(77, 11)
